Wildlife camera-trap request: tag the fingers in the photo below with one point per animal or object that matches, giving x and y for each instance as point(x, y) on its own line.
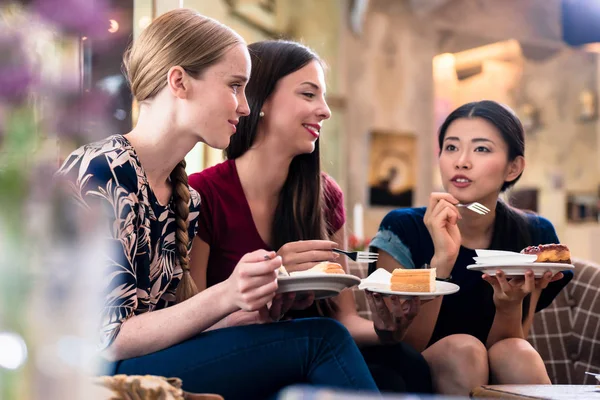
point(256, 297)
point(288, 301)
point(303, 302)
point(275, 311)
point(264, 315)
point(530, 283)
point(257, 256)
point(557, 277)
point(543, 282)
point(301, 246)
point(415, 307)
point(379, 308)
point(501, 278)
point(441, 206)
point(449, 215)
point(307, 258)
point(259, 268)
point(256, 304)
point(435, 197)
point(492, 281)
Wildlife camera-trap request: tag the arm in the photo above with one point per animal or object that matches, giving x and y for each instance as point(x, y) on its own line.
point(420, 331)
point(535, 296)
point(440, 220)
point(198, 266)
point(507, 324)
point(508, 299)
point(361, 329)
point(153, 331)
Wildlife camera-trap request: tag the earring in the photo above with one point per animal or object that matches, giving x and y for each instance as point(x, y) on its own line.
point(261, 114)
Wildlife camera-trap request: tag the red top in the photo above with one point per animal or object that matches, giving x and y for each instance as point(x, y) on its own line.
point(226, 222)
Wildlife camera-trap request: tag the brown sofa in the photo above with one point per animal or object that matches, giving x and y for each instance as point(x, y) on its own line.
point(566, 334)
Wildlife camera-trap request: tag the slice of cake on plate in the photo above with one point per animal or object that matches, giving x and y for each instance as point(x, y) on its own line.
point(413, 280)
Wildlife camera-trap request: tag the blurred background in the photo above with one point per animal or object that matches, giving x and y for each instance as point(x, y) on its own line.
point(396, 69)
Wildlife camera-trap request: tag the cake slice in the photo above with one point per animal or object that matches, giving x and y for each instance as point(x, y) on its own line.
point(553, 253)
point(413, 280)
point(325, 267)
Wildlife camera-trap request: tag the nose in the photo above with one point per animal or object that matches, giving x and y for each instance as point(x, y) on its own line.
point(324, 112)
point(463, 161)
point(243, 108)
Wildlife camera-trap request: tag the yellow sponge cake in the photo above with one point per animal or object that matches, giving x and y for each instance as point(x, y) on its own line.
point(413, 280)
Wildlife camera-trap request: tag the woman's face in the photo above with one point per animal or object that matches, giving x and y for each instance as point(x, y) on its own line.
point(217, 100)
point(474, 161)
point(295, 111)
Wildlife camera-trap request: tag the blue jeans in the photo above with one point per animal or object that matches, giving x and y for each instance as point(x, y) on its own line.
point(256, 361)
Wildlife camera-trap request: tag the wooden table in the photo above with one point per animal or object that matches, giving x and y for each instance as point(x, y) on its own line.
point(545, 392)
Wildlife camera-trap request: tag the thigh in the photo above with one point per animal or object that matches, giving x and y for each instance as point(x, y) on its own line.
point(248, 362)
point(398, 368)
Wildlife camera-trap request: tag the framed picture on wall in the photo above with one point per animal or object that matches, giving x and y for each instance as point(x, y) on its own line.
point(392, 169)
point(260, 14)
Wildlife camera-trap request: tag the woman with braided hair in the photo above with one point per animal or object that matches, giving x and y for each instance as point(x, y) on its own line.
point(188, 73)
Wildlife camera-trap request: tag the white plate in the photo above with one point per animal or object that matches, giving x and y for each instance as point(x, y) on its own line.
point(509, 259)
point(494, 253)
point(519, 269)
point(441, 289)
point(323, 285)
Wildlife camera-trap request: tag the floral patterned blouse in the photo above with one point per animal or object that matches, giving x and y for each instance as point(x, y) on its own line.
point(142, 271)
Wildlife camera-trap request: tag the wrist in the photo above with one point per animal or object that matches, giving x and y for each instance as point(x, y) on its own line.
point(224, 300)
point(387, 337)
point(510, 309)
point(442, 265)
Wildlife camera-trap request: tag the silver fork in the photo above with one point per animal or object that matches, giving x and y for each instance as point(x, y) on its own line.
point(359, 256)
point(476, 207)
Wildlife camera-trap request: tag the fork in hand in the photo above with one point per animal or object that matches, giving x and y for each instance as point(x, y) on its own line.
point(476, 207)
point(359, 256)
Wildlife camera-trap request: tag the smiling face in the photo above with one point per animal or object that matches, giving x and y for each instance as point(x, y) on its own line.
point(474, 162)
point(295, 112)
point(216, 100)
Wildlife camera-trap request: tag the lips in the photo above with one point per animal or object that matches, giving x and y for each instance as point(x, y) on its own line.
point(461, 181)
point(313, 129)
point(233, 124)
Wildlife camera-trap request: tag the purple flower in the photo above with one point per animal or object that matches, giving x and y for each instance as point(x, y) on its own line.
point(87, 17)
point(2, 124)
point(16, 74)
point(85, 118)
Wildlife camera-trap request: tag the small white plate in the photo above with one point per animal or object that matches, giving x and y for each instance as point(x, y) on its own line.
point(322, 285)
point(508, 259)
point(441, 289)
point(519, 269)
point(494, 253)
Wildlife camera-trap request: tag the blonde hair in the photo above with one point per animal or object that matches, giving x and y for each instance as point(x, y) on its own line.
point(184, 38)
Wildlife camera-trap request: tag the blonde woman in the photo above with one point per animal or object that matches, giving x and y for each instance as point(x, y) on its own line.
point(188, 73)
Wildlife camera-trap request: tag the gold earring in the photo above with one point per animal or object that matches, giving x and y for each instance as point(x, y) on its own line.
point(261, 114)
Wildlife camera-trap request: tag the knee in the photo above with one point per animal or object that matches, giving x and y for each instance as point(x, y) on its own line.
point(327, 328)
point(466, 352)
point(513, 348)
point(507, 350)
point(515, 361)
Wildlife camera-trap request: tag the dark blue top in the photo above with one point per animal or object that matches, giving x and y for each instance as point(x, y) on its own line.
point(405, 237)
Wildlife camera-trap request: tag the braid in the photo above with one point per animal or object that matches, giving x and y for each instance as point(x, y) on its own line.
point(181, 200)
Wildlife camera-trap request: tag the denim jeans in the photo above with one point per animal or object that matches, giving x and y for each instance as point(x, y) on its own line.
point(256, 361)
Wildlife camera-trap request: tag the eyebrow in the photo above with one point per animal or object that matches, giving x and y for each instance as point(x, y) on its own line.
point(241, 77)
point(314, 85)
point(476, 140)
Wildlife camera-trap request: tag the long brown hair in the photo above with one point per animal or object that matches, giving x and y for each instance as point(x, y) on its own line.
point(185, 38)
point(300, 211)
point(302, 193)
point(511, 226)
